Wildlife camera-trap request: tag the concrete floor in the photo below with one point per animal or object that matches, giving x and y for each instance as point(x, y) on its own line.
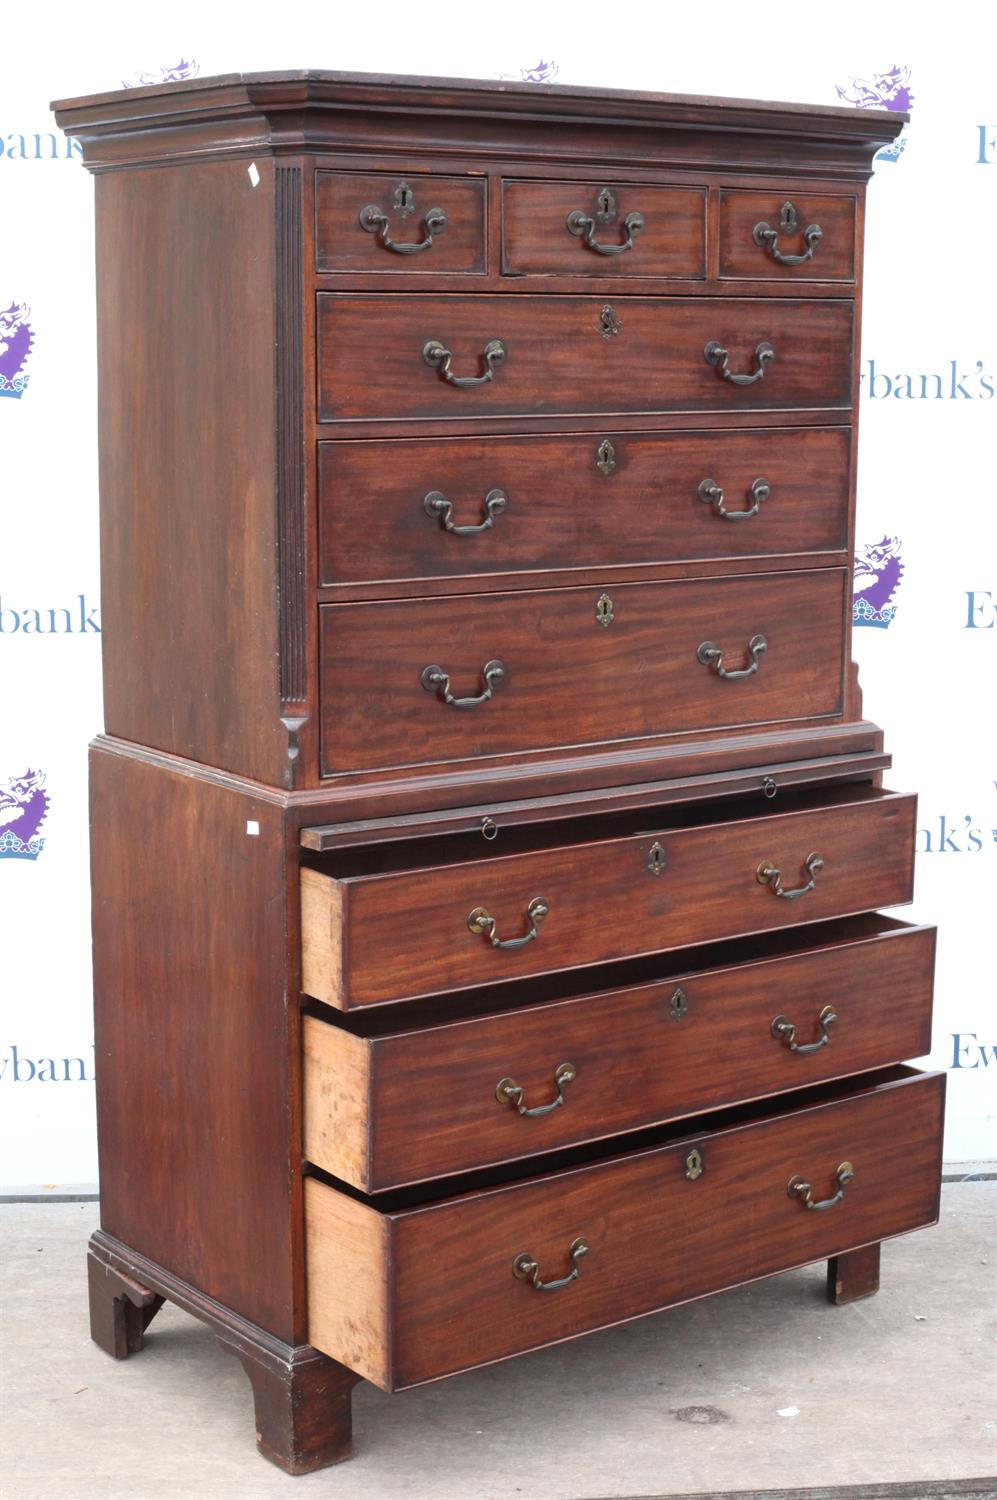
point(766, 1387)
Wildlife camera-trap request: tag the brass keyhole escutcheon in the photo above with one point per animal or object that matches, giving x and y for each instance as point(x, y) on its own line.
point(605, 457)
point(788, 221)
point(609, 323)
point(605, 206)
point(604, 610)
point(656, 858)
point(678, 1005)
point(404, 200)
point(694, 1165)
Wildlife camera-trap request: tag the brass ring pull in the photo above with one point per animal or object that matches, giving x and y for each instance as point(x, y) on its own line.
point(375, 221)
point(440, 358)
point(435, 680)
point(767, 874)
point(711, 494)
point(482, 923)
point(439, 508)
point(783, 1030)
point(797, 1187)
point(508, 1091)
point(712, 656)
point(527, 1269)
point(580, 224)
point(768, 239)
point(715, 354)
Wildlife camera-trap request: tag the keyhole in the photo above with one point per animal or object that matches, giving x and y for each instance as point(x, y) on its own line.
point(788, 221)
point(604, 610)
point(605, 457)
point(605, 204)
point(404, 198)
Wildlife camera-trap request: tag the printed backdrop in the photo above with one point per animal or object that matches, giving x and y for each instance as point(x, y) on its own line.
point(926, 574)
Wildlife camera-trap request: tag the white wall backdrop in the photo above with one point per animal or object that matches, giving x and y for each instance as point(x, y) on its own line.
point(926, 586)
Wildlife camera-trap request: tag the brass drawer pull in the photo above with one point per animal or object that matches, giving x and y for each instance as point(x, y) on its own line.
point(768, 239)
point(783, 1030)
point(712, 656)
point(375, 221)
point(435, 680)
point(797, 1187)
point(439, 508)
point(580, 224)
point(711, 494)
point(508, 1091)
point(715, 354)
point(767, 874)
point(482, 923)
point(527, 1269)
point(440, 358)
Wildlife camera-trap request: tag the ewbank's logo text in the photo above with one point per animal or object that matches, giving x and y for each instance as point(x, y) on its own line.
point(15, 1068)
point(78, 618)
point(951, 382)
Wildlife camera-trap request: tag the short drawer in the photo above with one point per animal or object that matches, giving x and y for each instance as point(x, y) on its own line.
point(787, 236)
point(407, 1291)
point(603, 229)
point(737, 1021)
point(445, 357)
point(380, 221)
point(475, 507)
point(389, 923)
point(416, 681)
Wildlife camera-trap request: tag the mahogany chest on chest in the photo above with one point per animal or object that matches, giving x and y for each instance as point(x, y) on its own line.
point(487, 840)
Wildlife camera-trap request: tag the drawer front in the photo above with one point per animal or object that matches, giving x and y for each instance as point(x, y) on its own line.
point(571, 355)
point(577, 501)
point(637, 1056)
point(787, 237)
point(600, 229)
point(442, 1295)
point(380, 221)
point(397, 935)
point(578, 666)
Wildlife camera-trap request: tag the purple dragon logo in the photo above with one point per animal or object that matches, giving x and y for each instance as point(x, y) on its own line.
point(185, 68)
point(23, 805)
point(878, 571)
point(541, 72)
point(883, 91)
point(16, 339)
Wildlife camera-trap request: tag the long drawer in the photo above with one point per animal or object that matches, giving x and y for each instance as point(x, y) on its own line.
point(474, 507)
point(384, 924)
point(742, 1021)
point(559, 355)
point(558, 667)
point(406, 1292)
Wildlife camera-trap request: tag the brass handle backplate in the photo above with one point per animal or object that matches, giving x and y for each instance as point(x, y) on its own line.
point(527, 1269)
point(783, 1030)
point(482, 923)
point(768, 239)
point(508, 1091)
point(440, 358)
point(769, 874)
point(435, 680)
point(798, 1187)
point(715, 354)
point(712, 656)
point(711, 494)
point(439, 508)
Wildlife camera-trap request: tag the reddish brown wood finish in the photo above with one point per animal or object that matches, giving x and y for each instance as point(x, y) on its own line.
point(655, 1238)
point(187, 465)
point(637, 1062)
point(121, 1309)
point(741, 258)
point(559, 361)
point(196, 1048)
point(536, 239)
point(563, 513)
point(568, 678)
point(854, 1275)
point(342, 244)
point(405, 930)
